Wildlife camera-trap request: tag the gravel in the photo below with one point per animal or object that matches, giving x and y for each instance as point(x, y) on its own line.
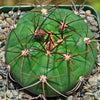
point(8, 91)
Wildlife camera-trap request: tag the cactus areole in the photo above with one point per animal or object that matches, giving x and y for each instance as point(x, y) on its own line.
point(47, 53)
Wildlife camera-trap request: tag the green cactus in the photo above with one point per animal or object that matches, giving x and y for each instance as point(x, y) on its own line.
point(48, 52)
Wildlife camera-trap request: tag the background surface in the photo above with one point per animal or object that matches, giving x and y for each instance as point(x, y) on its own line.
point(93, 3)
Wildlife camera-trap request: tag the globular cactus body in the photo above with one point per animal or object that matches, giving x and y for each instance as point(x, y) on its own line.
point(51, 45)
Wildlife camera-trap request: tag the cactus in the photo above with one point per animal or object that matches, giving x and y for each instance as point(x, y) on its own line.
point(49, 50)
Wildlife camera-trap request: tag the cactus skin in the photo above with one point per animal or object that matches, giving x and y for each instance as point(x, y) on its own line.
point(82, 65)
